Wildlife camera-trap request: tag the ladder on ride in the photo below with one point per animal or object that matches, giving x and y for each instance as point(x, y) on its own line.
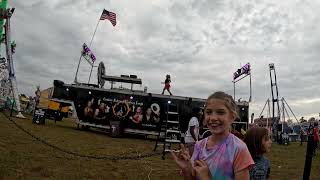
point(169, 130)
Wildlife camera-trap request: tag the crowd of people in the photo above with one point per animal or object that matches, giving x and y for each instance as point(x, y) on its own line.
point(315, 134)
point(312, 131)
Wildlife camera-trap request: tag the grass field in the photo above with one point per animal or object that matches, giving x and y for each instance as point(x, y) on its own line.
point(23, 157)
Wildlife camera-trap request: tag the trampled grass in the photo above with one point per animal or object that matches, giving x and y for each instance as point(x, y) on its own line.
point(23, 157)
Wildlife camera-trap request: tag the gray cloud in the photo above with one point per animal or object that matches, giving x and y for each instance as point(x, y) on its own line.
point(200, 43)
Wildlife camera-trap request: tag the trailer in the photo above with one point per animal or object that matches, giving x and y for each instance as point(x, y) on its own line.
point(57, 110)
point(121, 106)
point(127, 111)
point(54, 109)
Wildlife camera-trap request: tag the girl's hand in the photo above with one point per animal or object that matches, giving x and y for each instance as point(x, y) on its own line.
point(183, 160)
point(202, 170)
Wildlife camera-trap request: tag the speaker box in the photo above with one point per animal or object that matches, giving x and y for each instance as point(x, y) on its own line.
point(39, 116)
point(243, 112)
point(58, 83)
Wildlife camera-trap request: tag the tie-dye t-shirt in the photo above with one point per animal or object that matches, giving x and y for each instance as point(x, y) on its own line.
point(224, 159)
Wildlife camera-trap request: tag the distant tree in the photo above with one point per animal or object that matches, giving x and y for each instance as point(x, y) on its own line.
point(302, 120)
point(312, 119)
point(289, 121)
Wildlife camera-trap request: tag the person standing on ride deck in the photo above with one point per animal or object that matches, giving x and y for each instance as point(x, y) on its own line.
point(221, 155)
point(167, 84)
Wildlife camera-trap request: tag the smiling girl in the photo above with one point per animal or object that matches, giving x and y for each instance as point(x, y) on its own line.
point(221, 155)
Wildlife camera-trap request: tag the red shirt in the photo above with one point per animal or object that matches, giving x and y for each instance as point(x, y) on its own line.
point(316, 134)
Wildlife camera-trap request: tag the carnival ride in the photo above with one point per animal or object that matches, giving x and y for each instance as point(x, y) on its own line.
point(8, 89)
point(276, 121)
point(121, 104)
point(275, 100)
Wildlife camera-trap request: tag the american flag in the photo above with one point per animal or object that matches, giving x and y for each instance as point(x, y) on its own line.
point(110, 16)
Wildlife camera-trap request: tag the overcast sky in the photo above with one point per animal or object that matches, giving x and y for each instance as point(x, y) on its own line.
point(199, 42)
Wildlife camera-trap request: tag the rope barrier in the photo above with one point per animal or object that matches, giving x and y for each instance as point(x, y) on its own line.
point(110, 157)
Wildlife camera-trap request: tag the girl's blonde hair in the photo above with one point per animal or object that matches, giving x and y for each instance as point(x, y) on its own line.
point(228, 102)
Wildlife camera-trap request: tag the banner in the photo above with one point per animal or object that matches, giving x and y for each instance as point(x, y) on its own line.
point(88, 54)
point(244, 70)
point(133, 113)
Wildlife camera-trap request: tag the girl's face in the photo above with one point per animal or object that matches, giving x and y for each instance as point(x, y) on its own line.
point(266, 143)
point(218, 117)
point(138, 109)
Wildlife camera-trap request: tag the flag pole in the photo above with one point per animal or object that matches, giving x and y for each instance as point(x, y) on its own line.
point(90, 73)
point(94, 32)
point(75, 77)
point(90, 47)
